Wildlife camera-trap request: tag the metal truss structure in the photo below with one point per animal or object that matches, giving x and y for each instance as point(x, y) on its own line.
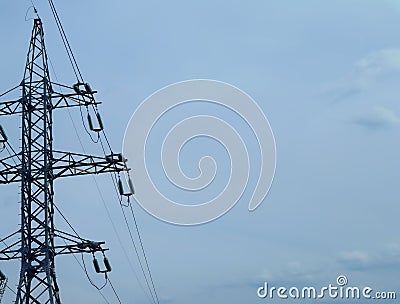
point(36, 167)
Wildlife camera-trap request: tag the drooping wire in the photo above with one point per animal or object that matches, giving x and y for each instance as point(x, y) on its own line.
point(90, 280)
point(84, 270)
point(34, 10)
point(100, 292)
point(83, 261)
point(83, 265)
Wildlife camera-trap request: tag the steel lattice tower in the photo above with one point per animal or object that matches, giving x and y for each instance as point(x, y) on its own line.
point(36, 167)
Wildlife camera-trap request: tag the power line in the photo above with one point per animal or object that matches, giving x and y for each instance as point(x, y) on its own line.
point(84, 270)
point(114, 178)
point(66, 42)
point(83, 261)
point(152, 288)
point(10, 90)
point(83, 265)
point(90, 280)
point(137, 253)
point(144, 252)
point(117, 234)
point(115, 292)
point(65, 219)
point(98, 190)
point(12, 290)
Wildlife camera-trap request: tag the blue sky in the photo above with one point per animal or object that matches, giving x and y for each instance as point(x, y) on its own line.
point(326, 75)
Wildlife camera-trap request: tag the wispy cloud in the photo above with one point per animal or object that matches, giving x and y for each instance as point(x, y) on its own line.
point(388, 258)
point(378, 118)
point(379, 62)
point(368, 70)
point(294, 273)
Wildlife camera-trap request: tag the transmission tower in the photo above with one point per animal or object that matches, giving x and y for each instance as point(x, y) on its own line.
point(3, 284)
point(36, 167)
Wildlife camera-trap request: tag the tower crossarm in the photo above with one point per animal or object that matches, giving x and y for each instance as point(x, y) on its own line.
point(75, 97)
point(64, 164)
point(11, 249)
point(71, 244)
point(9, 169)
point(10, 107)
point(71, 164)
point(75, 244)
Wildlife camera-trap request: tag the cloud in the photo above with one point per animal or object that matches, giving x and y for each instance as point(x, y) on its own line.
point(355, 259)
point(377, 119)
point(388, 258)
point(378, 63)
point(366, 71)
point(294, 273)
